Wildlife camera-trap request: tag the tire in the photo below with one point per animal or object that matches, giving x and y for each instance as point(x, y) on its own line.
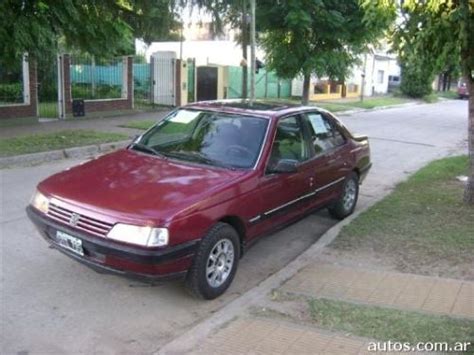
point(347, 202)
point(200, 281)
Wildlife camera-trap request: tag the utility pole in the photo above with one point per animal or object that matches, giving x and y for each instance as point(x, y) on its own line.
point(252, 51)
point(362, 84)
point(181, 43)
point(245, 35)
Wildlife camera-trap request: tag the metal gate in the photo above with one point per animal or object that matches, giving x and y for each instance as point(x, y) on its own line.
point(47, 68)
point(163, 74)
point(206, 83)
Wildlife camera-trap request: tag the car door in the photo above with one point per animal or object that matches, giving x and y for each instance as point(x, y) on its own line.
point(329, 165)
point(284, 195)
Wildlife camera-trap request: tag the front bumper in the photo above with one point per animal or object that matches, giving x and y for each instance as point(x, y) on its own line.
point(107, 256)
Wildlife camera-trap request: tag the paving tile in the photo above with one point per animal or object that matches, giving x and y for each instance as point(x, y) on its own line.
point(394, 282)
point(445, 288)
point(383, 297)
point(358, 294)
point(438, 305)
point(279, 340)
point(344, 345)
point(310, 342)
point(467, 290)
point(333, 291)
point(410, 301)
point(419, 284)
point(369, 279)
point(278, 337)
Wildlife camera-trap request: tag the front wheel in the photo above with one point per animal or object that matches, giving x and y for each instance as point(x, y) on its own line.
point(215, 263)
point(346, 203)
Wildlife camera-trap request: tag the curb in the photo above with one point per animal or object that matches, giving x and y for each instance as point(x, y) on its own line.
point(190, 339)
point(74, 152)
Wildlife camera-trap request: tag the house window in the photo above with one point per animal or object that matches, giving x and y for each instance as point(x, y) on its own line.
point(380, 75)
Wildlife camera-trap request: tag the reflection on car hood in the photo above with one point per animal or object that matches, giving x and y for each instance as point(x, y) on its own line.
point(137, 185)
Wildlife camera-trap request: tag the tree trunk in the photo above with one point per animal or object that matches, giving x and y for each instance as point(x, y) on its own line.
point(469, 191)
point(305, 96)
point(245, 36)
point(445, 76)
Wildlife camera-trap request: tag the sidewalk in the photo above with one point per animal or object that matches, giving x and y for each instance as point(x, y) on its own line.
point(251, 335)
point(388, 289)
point(254, 334)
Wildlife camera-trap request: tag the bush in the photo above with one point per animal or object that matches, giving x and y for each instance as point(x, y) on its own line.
point(431, 98)
point(102, 91)
point(11, 93)
point(416, 81)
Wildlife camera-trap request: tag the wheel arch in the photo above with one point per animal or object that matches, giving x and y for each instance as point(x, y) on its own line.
point(236, 223)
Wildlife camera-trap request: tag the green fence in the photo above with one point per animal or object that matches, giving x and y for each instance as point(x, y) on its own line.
point(191, 63)
point(267, 84)
point(96, 79)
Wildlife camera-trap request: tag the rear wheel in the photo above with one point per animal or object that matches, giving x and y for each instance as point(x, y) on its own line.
point(346, 203)
point(215, 263)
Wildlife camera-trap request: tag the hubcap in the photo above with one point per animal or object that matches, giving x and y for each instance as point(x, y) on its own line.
point(219, 263)
point(350, 192)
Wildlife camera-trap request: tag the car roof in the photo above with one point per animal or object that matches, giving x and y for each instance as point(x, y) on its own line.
point(259, 108)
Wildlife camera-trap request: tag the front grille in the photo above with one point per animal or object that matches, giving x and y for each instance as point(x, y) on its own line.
point(84, 223)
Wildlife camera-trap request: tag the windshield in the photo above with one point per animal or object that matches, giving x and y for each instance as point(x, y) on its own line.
point(211, 138)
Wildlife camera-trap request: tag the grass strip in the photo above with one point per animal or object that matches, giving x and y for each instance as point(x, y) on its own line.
point(389, 324)
point(422, 226)
point(42, 142)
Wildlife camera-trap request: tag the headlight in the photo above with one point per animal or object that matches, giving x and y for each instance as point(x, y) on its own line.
point(145, 236)
point(40, 202)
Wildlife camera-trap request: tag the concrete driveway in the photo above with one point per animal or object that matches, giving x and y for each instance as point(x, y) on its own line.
point(51, 304)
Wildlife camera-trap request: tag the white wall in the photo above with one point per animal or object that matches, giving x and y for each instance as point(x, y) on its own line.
point(205, 52)
point(373, 64)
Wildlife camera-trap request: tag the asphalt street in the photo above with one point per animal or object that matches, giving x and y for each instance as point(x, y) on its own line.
point(51, 304)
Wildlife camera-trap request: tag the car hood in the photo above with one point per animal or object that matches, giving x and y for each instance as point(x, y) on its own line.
point(132, 186)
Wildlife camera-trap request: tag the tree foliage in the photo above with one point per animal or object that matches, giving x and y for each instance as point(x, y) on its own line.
point(322, 37)
point(98, 27)
point(430, 35)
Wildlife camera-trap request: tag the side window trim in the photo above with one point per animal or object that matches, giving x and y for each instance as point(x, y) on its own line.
point(333, 125)
point(300, 119)
point(336, 127)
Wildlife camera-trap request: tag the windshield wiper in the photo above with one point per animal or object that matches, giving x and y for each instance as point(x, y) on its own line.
point(200, 158)
point(145, 148)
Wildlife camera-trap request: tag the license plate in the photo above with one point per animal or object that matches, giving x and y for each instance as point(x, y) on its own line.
point(69, 242)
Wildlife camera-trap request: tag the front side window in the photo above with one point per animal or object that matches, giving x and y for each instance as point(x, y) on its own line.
point(289, 142)
point(212, 138)
point(324, 134)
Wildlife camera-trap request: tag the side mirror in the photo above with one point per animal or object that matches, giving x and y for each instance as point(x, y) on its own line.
point(285, 166)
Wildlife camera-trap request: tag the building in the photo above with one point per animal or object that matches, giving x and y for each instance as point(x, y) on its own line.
point(376, 70)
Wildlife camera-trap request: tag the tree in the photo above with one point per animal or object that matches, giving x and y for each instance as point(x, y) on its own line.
point(97, 27)
point(322, 37)
point(439, 30)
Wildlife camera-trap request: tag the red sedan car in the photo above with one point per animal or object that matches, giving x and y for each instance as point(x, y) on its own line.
point(187, 197)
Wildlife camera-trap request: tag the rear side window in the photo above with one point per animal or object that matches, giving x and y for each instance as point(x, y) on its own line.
point(325, 135)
